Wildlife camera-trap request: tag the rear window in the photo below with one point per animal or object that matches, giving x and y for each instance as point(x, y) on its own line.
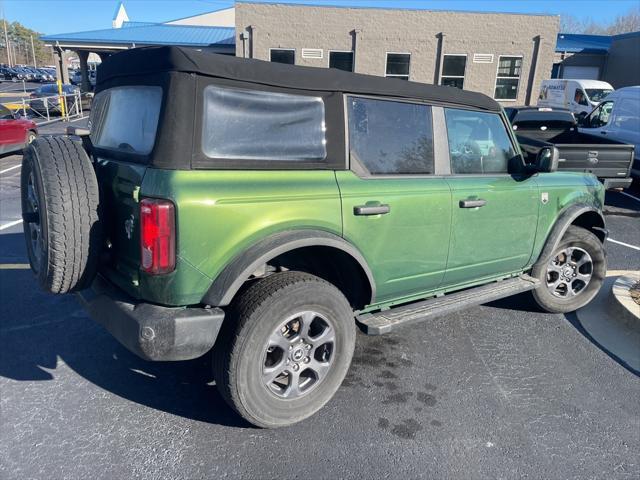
point(255, 125)
point(126, 118)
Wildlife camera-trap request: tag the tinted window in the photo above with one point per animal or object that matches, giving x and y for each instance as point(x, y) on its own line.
point(389, 137)
point(398, 65)
point(5, 113)
point(283, 56)
point(254, 125)
point(478, 142)
point(453, 67)
point(341, 61)
point(126, 118)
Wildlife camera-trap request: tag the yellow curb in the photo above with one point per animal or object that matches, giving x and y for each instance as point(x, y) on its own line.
point(14, 94)
point(14, 266)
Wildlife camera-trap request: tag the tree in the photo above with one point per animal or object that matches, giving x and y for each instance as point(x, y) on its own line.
point(20, 45)
point(625, 23)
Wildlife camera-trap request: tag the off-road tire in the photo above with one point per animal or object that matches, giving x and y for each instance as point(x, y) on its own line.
point(65, 187)
point(573, 237)
point(239, 350)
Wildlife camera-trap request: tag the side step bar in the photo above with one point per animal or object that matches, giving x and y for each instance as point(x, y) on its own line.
point(388, 320)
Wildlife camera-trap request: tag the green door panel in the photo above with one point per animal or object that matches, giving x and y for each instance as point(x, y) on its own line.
point(494, 239)
point(406, 248)
point(221, 213)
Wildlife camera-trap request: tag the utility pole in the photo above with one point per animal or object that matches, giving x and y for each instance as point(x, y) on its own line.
point(6, 39)
point(33, 52)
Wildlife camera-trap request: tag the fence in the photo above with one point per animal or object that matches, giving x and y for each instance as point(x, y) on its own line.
point(48, 109)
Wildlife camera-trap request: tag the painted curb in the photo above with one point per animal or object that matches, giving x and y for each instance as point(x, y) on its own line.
point(624, 305)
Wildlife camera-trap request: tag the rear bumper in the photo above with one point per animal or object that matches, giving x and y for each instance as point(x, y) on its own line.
point(151, 331)
point(617, 182)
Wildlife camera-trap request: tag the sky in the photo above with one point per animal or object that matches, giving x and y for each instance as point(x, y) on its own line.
point(63, 16)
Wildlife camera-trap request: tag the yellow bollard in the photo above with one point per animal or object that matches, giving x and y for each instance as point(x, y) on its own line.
point(62, 100)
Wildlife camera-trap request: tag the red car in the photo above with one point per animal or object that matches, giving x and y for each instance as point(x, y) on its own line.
point(15, 133)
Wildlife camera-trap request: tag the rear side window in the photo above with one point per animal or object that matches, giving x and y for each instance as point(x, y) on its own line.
point(478, 142)
point(126, 118)
point(255, 125)
point(388, 137)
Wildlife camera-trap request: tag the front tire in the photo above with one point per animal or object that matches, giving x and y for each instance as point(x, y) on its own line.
point(573, 274)
point(285, 348)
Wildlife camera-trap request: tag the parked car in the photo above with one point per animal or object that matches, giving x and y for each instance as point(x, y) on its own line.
point(15, 132)
point(578, 96)
point(618, 118)
point(76, 78)
point(14, 74)
point(260, 217)
point(46, 99)
point(543, 127)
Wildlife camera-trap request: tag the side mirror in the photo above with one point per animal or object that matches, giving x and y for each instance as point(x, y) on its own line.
point(547, 159)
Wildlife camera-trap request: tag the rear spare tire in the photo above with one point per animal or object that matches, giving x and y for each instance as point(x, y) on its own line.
point(60, 214)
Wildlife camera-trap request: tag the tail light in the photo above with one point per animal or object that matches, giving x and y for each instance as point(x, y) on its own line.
point(157, 236)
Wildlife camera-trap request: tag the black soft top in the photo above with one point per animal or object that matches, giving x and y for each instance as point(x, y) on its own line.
point(154, 60)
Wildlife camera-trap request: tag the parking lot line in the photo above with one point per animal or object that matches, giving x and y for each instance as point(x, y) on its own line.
point(617, 242)
point(9, 169)
point(16, 222)
point(630, 196)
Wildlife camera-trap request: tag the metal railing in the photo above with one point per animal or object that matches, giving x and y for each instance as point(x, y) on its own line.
point(49, 109)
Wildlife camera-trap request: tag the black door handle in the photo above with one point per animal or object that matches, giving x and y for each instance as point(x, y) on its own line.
point(371, 210)
point(603, 132)
point(472, 203)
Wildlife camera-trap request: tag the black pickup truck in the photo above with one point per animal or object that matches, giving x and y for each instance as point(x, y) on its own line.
point(537, 127)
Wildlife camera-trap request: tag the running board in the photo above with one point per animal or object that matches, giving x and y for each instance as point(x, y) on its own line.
point(388, 320)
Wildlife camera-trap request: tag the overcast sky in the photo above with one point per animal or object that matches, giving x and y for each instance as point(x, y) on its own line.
point(62, 16)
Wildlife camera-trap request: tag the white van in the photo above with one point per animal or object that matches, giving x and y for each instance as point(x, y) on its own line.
point(618, 118)
point(578, 96)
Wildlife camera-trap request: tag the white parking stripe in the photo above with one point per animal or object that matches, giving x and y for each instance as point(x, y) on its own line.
point(18, 222)
point(617, 242)
point(623, 193)
point(9, 169)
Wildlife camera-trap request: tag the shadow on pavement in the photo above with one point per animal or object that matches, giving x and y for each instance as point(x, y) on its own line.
point(39, 330)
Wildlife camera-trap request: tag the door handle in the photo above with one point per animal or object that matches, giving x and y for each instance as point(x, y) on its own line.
point(603, 132)
point(472, 203)
point(371, 209)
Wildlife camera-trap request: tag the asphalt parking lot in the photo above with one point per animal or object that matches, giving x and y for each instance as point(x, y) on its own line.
point(498, 391)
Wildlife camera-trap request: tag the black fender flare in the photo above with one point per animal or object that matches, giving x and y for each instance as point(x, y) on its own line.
point(564, 221)
point(236, 272)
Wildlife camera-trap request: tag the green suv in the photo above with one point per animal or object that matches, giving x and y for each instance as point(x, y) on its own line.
point(261, 211)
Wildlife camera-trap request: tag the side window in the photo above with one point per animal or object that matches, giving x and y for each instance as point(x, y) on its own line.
point(600, 116)
point(256, 125)
point(580, 98)
point(389, 137)
point(5, 113)
point(478, 142)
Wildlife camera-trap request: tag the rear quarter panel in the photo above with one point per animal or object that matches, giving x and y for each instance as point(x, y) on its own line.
point(563, 189)
point(221, 213)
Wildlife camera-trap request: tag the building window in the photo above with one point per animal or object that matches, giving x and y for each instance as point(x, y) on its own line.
point(453, 68)
point(281, 55)
point(508, 78)
point(398, 65)
point(389, 137)
point(341, 61)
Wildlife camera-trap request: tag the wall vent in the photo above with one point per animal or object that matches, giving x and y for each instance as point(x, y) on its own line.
point(312, 53)
point(483, 58)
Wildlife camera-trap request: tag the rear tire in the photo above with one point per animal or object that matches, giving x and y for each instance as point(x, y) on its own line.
point(573, 274)
point(285, 347)
point(59, 193)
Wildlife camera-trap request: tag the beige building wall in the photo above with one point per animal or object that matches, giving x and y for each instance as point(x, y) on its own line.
point(373, 32)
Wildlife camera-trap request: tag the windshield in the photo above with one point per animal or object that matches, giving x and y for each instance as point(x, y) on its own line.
point(597, 94)
point(126, 118)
